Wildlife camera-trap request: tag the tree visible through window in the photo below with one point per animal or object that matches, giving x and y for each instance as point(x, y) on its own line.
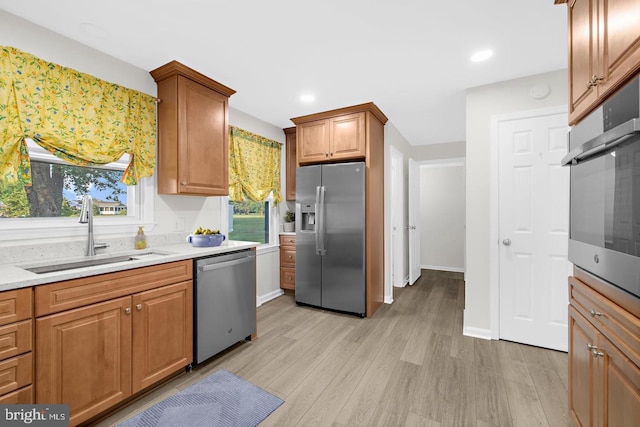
point(249, 221)
point(57, 188)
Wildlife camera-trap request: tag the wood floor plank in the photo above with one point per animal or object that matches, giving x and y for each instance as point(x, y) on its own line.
point(326, 407)
point(462, 347)
point(310, 358)
point(415, 420)
point(551, 392)
point(524, 404)
point(308, 389)
point(492, 402)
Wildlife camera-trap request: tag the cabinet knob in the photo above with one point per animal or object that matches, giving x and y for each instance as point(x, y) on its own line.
point(326, 154)
point(595, 313)
point(184, 183)
point(139, 307)
point(127, 310)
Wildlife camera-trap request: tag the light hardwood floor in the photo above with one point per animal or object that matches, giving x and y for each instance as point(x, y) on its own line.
point(408, 365)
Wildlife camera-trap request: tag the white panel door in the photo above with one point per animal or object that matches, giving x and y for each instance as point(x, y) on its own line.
point(414, 221)
point(534, 224)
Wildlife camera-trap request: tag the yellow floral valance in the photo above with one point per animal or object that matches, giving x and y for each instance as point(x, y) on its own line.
point(77, 117)
point(254, 166)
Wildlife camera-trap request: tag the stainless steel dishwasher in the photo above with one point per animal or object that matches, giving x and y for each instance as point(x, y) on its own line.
point(224, 301)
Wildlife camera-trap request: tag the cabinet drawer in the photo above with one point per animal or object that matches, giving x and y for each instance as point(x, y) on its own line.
point(288, 241)
point(620, 326)
point(18, 397)
point(15, 339)
point(288, 278)
point(15, 373)
point(287, 257)
point(88, 290)
point(15, 305)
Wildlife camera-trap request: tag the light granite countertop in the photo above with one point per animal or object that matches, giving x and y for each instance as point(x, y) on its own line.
point(15, 276)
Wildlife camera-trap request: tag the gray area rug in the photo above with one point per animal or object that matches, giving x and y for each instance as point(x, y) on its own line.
point(220, 399)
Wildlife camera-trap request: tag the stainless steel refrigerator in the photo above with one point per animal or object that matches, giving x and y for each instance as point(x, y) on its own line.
point(330, 237)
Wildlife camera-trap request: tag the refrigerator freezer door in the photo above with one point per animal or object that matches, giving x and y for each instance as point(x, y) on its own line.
point(308, 263)
point(343, 265)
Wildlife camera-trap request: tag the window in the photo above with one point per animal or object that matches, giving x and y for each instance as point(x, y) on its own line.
point(51, 205)
point(249, 221)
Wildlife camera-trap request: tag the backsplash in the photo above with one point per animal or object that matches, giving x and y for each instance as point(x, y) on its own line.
point(57, 248)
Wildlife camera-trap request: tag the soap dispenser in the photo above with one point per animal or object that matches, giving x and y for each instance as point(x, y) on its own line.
point(141, 239)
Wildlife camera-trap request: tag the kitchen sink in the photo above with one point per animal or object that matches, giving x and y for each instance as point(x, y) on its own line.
point(62, 266)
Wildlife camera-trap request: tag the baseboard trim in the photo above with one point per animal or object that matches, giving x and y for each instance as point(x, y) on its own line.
point(470, 331)
point(443, 268)
point(268, 297)
point(484, 334)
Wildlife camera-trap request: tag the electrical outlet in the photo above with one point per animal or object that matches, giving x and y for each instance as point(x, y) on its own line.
point(179, 224)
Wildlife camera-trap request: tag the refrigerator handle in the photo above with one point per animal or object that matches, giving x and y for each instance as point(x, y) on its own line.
point(318, 219)
point(322, 227)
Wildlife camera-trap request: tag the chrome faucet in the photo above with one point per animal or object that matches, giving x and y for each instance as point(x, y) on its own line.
point(86, 217)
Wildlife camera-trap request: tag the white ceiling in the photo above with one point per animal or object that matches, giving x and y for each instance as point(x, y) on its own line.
point(409, 57)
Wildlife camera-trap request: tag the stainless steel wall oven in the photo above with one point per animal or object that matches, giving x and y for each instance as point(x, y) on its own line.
point(604, 156)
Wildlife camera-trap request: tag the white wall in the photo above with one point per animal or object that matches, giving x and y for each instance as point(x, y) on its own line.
point(171, 213)
point(442, 213)
point(393, 137)
point(483, 103)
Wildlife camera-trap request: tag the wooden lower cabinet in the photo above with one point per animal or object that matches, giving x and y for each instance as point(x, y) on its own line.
point(16, 345)
point(162, 333)
point(83, 358)
point(18, 397)
point(95, 356)
point(288, 262)
point(604, 345)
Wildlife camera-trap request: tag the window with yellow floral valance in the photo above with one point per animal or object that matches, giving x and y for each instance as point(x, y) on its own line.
point(254, 166)
point(77, 117)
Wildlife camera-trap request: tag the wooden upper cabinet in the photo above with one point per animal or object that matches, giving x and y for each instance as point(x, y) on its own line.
point(619, 38)
point(335, 135)
point(193, 134)
point(582, 57)
point(291, 162)
point(604, 51)
point(313, 142)
point(347, 137)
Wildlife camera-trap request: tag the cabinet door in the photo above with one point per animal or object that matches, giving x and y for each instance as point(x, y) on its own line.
point(347, 137)
point(583, 57)
point(203, 140)
point(582, 370)
point(162, 333)
point(312, 142)
point(622, 385)
point(83, 358)
point(619, 41)
point(292, 163)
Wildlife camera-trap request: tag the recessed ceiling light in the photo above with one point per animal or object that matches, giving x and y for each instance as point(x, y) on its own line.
point(482, 55)
point(307, 97)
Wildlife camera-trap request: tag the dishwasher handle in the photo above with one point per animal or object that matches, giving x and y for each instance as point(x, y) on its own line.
point(218, 265)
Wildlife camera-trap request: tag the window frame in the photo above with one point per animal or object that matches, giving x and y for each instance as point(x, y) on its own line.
point(140, 209)
point(274, 220)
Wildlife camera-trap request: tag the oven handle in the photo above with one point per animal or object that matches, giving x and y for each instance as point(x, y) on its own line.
point(217, 265)
point(600, 143)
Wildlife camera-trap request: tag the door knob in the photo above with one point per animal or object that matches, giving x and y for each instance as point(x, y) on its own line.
point(506, 242)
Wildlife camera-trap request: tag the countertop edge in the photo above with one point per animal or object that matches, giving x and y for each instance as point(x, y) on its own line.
point(14, 276)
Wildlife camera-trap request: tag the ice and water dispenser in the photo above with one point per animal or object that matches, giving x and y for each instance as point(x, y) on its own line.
point(308, 213)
